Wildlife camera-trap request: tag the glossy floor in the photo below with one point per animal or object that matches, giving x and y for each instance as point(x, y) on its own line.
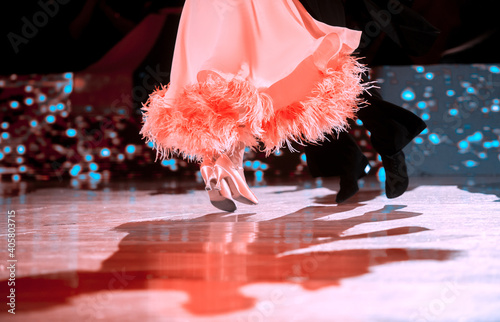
point(158, 251)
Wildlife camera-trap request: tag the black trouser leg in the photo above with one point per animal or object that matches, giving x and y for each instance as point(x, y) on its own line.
point(335, 157)
point(391, 127)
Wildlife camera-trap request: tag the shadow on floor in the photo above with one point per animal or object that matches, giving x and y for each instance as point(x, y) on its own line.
point(212, 257)
point(484, 188)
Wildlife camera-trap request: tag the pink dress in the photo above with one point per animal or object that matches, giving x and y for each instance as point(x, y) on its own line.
point(249, 71)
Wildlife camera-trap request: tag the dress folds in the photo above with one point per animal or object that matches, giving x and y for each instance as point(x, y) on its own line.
point(249, 71)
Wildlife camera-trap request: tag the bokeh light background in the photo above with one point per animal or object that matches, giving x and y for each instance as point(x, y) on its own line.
point(45, 137)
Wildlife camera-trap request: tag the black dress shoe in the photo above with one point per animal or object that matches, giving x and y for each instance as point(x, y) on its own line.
point(396, 174)
point(349, 182)
point(348, 188)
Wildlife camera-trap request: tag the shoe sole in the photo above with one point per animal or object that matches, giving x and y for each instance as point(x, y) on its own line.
point(219, 201)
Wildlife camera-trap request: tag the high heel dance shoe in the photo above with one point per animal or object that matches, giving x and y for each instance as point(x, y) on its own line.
point(220, 196)
point(227, 172)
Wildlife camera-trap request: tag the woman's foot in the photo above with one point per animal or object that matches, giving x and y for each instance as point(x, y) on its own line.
point(219, 193)
point(228, 168)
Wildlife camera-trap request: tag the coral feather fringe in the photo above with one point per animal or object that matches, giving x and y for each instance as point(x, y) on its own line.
point(333, 101)
point(212, 116)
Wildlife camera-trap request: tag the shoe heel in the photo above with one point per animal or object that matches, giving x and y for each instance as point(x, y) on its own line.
point(220, 195)
point(240, 191)
point(207, 175)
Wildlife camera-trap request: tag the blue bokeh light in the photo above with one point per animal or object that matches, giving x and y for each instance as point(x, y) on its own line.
point(408, 95)
point(429, 76)
point(434, 138)
point(75, 170)
point(421, 104)
point(168, 163)
point(259, 175)
point(450, 92)
point(130, 148)
point(5, 135)
point(303, 157)
point(68, 75)
point(359, 122)
point(33, 123)
point(74, 182)
point(16, 178)
point(5, 125)
point(50, 119)
point(71, 133)
point(420, 69)
point(68, 89)
point(419, 140)
point(476, 137)
point(93, 166)
point(42, 98)
point(21, 149)
point(14, 104)
point(494, 69)
point(453, 112)
point(256, 164)
point(426, 116)
point(7, 149)
point(89, 157)
point(470, 163)
point(95, 176)
point(463, 145)
point(105, 152)
point(29, 101)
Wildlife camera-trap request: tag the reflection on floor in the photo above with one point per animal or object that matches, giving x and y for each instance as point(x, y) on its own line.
point(157, 251)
